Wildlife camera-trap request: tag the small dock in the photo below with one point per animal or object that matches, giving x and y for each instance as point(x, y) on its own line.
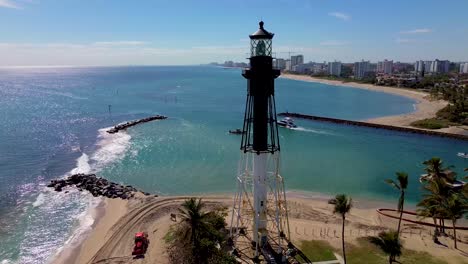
point(372, 125)
point(128, 124)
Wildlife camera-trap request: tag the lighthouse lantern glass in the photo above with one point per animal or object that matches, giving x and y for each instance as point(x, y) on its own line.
point(260, 47)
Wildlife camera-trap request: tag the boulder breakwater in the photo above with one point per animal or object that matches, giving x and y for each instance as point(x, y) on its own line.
point(373, 125)
point(96, 186)
point(128, 124)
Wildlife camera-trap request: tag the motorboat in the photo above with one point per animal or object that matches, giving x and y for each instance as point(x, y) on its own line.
point(462, 155)
point(236, 131)
point(287, 122)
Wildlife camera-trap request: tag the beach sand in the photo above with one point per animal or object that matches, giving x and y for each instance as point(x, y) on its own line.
point(425, 107)
point(111, 240)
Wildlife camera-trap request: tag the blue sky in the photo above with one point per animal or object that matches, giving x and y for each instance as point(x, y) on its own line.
point(144, 32)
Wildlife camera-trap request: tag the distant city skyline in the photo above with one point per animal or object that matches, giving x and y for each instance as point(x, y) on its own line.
point(105, 33)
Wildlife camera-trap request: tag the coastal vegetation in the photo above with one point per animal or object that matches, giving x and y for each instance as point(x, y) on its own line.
point(455, 113)
point(443, 198)
point(389, 243)
point(342, 206)
point(401, 184)
point(201, 236)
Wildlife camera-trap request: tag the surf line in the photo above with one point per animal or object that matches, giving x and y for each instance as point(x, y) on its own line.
point(128, 124)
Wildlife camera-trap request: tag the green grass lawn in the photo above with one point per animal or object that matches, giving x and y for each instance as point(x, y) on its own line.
point(317, 250)
point(431, 123)
point(365, 252)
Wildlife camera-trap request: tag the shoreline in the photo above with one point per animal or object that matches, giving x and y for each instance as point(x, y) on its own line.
point(425, 108)
point(112, 235)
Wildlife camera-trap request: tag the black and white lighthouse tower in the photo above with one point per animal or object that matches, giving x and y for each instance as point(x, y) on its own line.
point(259, 216)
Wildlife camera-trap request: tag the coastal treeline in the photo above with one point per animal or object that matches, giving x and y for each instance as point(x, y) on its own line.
point(200, 236)
point(455, 113)
point(445, 201)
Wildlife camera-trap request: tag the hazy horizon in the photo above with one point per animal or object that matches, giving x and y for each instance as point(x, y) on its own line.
point(104, 33)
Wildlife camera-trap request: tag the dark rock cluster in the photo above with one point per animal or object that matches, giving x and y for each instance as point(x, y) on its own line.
point(126, 125)
point(95, 185)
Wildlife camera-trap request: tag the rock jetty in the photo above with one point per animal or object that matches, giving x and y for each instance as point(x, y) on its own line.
point(128, 124)
point(96, 186)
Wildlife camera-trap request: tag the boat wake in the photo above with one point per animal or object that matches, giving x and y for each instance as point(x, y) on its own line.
point(303, 129)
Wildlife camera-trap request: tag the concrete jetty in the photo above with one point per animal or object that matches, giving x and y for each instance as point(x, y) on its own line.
point(128, 124)
point(372, 125)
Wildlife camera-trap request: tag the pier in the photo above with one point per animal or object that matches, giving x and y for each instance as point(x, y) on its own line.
point(128, 124)
point(373, 125)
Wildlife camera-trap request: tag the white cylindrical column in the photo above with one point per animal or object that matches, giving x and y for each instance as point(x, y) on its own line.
point(260, 197)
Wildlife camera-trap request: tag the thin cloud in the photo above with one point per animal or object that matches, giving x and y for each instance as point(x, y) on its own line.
point(404, 40)
point(417, 31)
point(120, 43)
point(340, 15)
point(8, 4)
point(334, 43)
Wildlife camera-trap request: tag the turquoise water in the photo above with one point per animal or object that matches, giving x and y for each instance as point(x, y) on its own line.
point(52, 120)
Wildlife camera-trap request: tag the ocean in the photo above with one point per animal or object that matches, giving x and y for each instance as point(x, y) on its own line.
point(53, 122)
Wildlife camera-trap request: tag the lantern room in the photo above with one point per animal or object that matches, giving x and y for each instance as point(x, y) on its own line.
point(260, 42)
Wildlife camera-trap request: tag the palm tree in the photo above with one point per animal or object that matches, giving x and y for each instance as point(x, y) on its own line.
point(454, 208)
point(195, 221)
point(389, 243)
point(401, 184)
point(342, 205)
point(430, 205)
point(434, 166)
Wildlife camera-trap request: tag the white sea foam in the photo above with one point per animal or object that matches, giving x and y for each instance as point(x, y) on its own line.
point(111, 147)
point(39, 200)
point(82, 165)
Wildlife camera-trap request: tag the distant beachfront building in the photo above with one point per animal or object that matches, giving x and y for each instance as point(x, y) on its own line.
point(427, 66)
point(288, 65)
point(280, 64)
point(334, 68)
point(419, 66)
point(361, 69)
point(436, 66)
point(440, 66)
point(464, 67)
point(385, 67)
point(297, 60)
point(318, 68)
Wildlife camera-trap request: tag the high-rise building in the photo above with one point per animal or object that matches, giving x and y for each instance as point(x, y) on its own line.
point(334, 68)
point(361, 69)
point(280, 64)
point(288, 65)
point(427, 66)
point(297, 60)
point(440, 66)
point(464, 67)
point(419, 66)
point(385, 66)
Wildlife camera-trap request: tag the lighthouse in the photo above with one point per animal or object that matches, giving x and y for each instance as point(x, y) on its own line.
point(259, 217)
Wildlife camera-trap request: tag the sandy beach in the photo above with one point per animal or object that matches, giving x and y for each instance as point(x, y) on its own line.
point(425, 107)
point(111, 240)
